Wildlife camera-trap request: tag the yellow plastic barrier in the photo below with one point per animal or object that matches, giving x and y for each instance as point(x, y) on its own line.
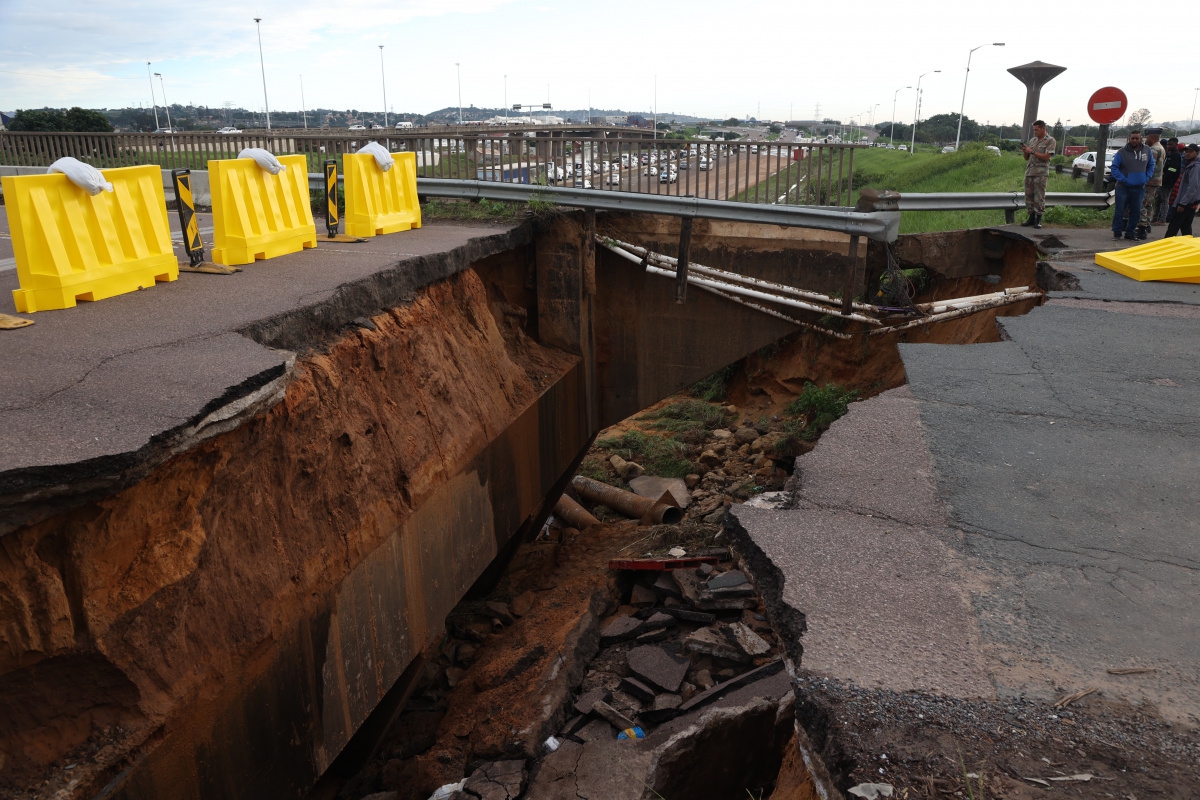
point(1176, 259)
point(257, 215)
point(72, 246)
point(380, 202)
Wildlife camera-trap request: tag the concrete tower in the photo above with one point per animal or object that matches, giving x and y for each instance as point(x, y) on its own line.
point(1034, 75)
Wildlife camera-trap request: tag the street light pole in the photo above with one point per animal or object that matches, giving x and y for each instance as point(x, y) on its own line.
point(303, 108)
point(1191, 121)
point(383, 79)
point(153, 101)
point(892, 125)
point(912, 148)
point(506, 100)
point(963, 105)
point(262, 65)
point(166, 105)
point(458, 67)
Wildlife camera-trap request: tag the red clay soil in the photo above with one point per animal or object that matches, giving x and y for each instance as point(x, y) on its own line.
point(129, 616)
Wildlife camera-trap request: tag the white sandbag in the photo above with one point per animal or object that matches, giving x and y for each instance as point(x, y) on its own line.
point(85, 176)
point(264, 159)
point(383, 159)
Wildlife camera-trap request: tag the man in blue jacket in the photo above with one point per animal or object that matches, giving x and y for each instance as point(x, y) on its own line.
point(1132, 166)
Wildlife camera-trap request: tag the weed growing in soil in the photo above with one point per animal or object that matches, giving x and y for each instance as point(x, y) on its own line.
point(592, 468)
point(822, 406)
point(686, 415)
point(714, 387)
point(659, 455)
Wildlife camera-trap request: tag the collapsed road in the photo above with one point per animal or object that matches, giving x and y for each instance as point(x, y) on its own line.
point(342, 532)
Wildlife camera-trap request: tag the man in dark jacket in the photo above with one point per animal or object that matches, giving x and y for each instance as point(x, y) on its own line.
point(1171, 169)
point(1132, 166)
point(1188, 198)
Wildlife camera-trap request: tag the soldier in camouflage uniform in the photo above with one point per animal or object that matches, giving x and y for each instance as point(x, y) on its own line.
point(1154, 185)
point(1037, 153)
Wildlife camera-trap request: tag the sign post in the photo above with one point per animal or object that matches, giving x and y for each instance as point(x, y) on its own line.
point(1105, 107)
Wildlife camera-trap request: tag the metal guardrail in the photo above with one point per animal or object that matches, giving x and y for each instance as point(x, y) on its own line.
point(881, 226)
point(774, 173)
point(973, 201)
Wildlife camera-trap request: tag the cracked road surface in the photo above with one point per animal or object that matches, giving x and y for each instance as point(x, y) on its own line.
point(1063, 539)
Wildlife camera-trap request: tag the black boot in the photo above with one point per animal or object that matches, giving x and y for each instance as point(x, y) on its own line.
point(1143, 232)
point(1028, 223)
point(1037, 220)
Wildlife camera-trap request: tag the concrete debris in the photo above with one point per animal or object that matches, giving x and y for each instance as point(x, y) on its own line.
point(715, 517)
point(642, 596)
point(664, 707)
point(704, 679)
point(751, 643)
point(651, 637)
point(704, 570)
point(522, 604)
point(657, 666)
point(666, 587)
point(699, 596)
point(871, 791)
point(691, 616)
point(595, 730)
point(713, 642)
point(499, 611)
point(677, 552)
point(501, 780)
point(632, 686)
point(727, 580)
point(620, 629)
point(611, 715)
point(659, 620)
point(654, 487)
point(746, 678)
point(585, 702)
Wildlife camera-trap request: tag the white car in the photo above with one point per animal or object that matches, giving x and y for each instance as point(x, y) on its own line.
point(1084, 164)
point(582, 183)
point(991, 148)
point(948, 148)
point(668, 176)
point(357, 128)
point(903, 147)
point(400, 126)
point(228, 130)
point(648, 171)
point(704, 164)
point(614, 179)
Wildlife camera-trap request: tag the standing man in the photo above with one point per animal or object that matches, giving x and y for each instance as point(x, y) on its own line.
point(1171, 170)
point(1038, 153)
point(1188, 198)
point(1154, 184)
point(1132, 166)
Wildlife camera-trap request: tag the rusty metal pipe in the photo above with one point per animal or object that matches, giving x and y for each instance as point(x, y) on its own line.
point(574, 514)
point(628, 503)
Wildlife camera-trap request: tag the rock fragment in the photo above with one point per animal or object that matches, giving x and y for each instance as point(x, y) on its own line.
point(750, 642)
point(642, 596)
point(499, 611)
point(501, 780)
point(656, 666)
point(588, 699)
point(713, 642)
point(635, 688)
point(522, 604)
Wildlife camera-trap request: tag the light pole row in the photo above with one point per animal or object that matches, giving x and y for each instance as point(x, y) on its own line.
point(958, 136)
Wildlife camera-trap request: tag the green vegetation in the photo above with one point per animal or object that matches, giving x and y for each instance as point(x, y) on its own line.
point(74, 120)
point(822, 406)
point(659, 455)
point(465, 209)
point(686, 415)
point(714, 387)
point(973, 169)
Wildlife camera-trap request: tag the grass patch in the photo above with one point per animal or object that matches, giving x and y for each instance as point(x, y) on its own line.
point(822, 406)
point(437, 208)
point(686, 415)
point(715, 387)
point(658, 454)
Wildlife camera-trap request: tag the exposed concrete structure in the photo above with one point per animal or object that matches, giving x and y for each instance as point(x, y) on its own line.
point(1034, 75)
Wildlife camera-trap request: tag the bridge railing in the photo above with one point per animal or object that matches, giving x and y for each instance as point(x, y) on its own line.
point(775, 173)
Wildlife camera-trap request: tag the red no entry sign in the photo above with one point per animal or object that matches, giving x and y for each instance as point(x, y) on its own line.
point(1107, 105)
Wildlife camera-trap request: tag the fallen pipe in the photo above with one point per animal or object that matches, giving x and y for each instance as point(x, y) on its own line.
point(574, 514)
point(628, 503)
point(961, 312)
point(735, 277)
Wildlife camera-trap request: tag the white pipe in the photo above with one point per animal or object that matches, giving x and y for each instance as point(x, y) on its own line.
point(773, 313)
point(938, 306)
point(739, 278)
point(962, 312)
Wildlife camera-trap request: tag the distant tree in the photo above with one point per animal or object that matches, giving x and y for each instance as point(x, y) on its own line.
point(1139, 118)
point(1058, 131)
point(732, 121)
point(663, 126)
point(774, 129)
point(85, 120)
point(31, 120)
point(731, 136)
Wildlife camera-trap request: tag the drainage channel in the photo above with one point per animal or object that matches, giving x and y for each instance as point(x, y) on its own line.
point(614, 657)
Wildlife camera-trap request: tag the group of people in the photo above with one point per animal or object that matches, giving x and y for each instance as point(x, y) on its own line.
point(1156, 184)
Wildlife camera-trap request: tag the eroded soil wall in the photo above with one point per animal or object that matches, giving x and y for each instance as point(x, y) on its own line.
point(280, 577)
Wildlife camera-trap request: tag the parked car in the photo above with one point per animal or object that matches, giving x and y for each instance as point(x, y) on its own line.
point(683, 163)
point(948, 148)
point(582, 183)
point(648, 171)
point(614, 179)
point(228, 129)
point(903, 147)
point(668, 176)
point(1087, 162)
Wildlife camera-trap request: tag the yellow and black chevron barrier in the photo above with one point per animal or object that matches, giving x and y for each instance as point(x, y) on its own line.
point(189, 224)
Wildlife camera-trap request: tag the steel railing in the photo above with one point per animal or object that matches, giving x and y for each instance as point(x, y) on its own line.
point(772, 173)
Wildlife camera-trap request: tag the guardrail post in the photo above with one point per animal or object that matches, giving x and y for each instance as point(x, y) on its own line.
point(1010, 216)
point(1101, 151)
point(685, 253)
point(589, 252)
point(851, 282)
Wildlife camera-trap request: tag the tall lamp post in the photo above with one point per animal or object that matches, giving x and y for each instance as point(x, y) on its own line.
point(506, 100)
point(1191, 121)
point(892, 126)
point(963, 105)
point(166, 105)
point(458, 67)
point(303, 107)
point(262, 66)
point(912, 148)
point(383, 79)
point(154, 102)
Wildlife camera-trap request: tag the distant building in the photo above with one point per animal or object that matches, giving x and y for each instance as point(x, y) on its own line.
point(616, 120)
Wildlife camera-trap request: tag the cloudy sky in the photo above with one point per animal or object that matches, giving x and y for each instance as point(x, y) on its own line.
point(711, 58)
